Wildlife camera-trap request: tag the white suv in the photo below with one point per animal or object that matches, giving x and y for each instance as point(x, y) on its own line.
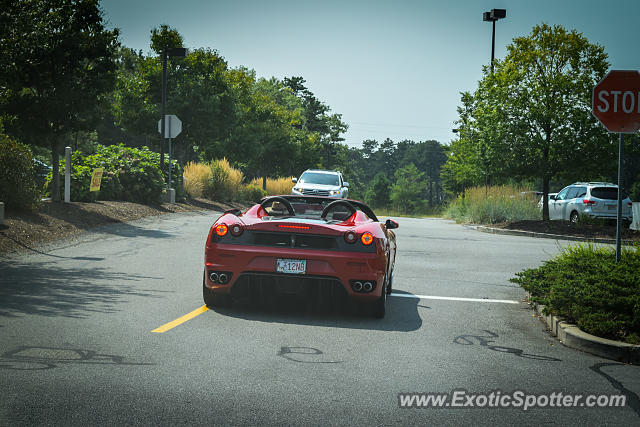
point(595, 199)
point(317, 182)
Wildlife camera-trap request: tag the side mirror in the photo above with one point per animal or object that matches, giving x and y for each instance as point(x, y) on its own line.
point(391, 224)
point(345, 184)
point(294, 180)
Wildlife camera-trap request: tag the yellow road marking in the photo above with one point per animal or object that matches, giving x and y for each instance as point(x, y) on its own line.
point(181, 320)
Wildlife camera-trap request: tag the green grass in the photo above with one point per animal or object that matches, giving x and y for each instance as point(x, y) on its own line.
point(586, 286)
point(496, 204)
point(427, 213)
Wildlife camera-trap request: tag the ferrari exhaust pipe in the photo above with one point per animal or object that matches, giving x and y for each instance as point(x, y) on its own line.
point(223, 278)
point(357, 286)
point(367, 287)
point(213, 276)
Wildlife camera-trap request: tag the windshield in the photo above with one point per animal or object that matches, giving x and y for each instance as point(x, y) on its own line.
point(319, 178)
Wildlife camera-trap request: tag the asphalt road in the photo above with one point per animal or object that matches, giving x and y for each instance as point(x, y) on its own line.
point(77, 347)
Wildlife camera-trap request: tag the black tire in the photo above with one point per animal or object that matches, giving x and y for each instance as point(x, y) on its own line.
point(390, 284)
point(380, 306)
point(574, 217)
point(214, 300)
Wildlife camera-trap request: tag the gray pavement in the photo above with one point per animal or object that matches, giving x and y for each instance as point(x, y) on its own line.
point(76, 346)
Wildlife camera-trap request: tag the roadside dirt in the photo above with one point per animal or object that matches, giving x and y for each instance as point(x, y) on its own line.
point(565, 228)
point(53, 221)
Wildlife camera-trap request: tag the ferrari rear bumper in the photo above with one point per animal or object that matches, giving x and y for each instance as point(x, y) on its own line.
point(251, 268)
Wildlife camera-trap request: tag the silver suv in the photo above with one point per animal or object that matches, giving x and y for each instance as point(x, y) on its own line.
point(595, 199)
point(317, 182)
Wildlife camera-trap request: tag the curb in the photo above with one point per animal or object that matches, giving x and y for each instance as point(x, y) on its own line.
point(494, 230)
point(572, 336)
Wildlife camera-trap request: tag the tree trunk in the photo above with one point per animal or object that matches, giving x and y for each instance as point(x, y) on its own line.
point(545, 179)
point(55, 170)
point(545, 198)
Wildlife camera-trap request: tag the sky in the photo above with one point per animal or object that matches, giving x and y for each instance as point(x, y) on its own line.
point(393, 69)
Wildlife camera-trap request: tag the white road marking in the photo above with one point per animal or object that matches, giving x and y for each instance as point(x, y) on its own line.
point(503, 301)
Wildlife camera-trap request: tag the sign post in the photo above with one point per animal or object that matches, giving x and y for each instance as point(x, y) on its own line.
point(616, 103)
point(173, 127)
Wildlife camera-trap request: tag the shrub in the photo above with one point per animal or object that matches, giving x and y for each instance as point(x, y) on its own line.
point(585, 285)
point(491, 205)
point(225, 182)
point(130, 174)
point(18, 188)
point(196, 177)
point(253, 193)
point(275, 186)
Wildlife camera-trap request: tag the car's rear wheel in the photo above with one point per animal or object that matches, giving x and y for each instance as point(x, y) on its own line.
point(380, 306)
point(212, 299)
point(574, 217)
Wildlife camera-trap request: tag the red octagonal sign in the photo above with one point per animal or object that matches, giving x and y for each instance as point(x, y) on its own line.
point(616, 101)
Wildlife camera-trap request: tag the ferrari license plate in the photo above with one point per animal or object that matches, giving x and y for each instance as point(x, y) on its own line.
point(291, 266)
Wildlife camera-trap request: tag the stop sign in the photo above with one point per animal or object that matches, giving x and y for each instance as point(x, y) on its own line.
point(616, 101)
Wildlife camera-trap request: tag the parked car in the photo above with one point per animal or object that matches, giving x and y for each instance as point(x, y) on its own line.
point(317, 182)
point(542, 199)
point(595, 199)
point(314, 247)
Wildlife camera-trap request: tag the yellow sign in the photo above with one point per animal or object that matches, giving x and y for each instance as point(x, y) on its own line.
point(96, 179)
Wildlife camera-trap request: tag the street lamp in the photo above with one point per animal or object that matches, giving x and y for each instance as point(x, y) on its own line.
point(166, 52)
point(493, 16)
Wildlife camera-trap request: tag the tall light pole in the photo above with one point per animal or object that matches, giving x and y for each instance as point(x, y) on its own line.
point(492, 16)
point(166, 52)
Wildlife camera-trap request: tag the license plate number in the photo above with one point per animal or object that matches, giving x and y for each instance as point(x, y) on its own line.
point(291, 266)
point(613, 207)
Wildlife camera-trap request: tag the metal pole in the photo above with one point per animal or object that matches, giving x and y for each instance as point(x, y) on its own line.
point(169, 180)
point(619, 222)
point(493, 45)
point(67, 174)
point(164, 104)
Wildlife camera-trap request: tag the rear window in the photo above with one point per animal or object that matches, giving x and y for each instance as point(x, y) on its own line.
point(607, 193)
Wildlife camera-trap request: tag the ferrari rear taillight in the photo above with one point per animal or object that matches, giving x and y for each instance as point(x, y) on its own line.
point(350, 237)
point(366, 238)
point(236, 229)
point(221, 229)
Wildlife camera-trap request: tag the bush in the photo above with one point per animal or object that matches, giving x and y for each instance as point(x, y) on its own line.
point(275, 186)
point(253, 193)
point(585, 285)
point(225, 182)
point(18, 188)
point(196, 176)
point(130, 174)
point(495, 204)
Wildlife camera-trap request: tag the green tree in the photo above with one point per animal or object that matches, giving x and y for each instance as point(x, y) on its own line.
point(533, 113)
point(405, 193)
point(378, 193)
point(56, 65)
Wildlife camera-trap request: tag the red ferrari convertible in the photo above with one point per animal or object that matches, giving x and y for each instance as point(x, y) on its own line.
point(314, 247)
